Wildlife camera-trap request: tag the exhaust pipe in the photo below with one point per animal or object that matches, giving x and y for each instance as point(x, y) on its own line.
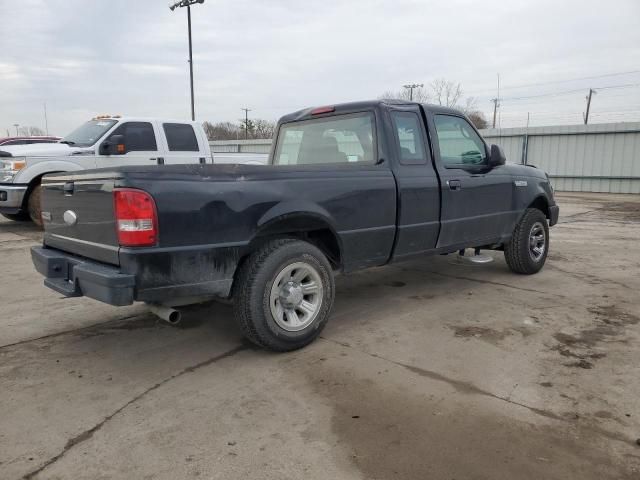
point(168, 314)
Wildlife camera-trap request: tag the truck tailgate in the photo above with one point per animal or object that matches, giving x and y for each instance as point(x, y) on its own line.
point(78, 215)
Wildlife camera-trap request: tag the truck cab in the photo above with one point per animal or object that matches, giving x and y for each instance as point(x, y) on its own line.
point(105, 141)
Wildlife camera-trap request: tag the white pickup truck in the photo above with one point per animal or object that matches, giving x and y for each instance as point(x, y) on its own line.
point(105, 141)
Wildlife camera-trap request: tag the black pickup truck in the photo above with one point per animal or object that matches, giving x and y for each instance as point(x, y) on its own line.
point(347, 187)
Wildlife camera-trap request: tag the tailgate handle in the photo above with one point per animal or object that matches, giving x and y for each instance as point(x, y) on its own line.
point(68, 188)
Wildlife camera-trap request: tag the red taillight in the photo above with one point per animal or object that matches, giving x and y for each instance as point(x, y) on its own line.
point(319, 110)
point(136, 218)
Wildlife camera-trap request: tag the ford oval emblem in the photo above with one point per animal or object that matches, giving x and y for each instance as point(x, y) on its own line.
point(70, 217)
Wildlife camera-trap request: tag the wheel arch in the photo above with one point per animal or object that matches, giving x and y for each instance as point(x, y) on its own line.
point(309, 226)
point(35, 181)
point(541, 203)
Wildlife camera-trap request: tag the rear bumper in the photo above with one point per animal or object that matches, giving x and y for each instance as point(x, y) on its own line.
point(74, 277)
point(153, 277)
point(11, 197)
point(554, 213)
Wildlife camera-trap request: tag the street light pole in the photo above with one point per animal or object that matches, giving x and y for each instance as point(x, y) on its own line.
point(188, 3)
point(410, 87)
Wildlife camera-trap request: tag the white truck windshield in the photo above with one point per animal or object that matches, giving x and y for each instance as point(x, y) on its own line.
point(87, 134)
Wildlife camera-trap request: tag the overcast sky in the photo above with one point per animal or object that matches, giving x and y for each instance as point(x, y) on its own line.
point(129, 57)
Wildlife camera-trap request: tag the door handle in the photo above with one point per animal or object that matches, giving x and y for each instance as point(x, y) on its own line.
point(454, 184)
point(159, 160)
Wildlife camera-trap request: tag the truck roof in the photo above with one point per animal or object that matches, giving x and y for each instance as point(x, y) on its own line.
point(144, 119)
point(308, 113)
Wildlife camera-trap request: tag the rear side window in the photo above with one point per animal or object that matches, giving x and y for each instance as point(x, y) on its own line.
point(459, 143)
point(409, 136)
point(338, 139)
point(138, 136)
point(180, 137)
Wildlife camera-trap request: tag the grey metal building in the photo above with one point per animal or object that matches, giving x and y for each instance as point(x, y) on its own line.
point(579, 158)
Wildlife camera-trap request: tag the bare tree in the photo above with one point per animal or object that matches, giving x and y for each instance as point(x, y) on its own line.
point(30, 131)
point(476, 116)
point(420, 95)
point(446, 92)
point(478, 119)
point(222, 131)
point(263, 128)
point(442, 92)
point(256, 128)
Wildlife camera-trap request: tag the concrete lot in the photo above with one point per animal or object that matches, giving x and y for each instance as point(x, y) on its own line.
point(426, 370)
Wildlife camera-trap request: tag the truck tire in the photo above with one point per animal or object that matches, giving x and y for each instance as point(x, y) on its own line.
point(283, 294)
point(16, 217)
point(33, 205)
point(527, 250)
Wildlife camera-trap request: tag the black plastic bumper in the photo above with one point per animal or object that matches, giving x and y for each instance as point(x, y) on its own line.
point(75, 276)
point(554, 212)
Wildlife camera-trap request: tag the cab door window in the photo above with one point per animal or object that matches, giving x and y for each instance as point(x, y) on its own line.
point(460, 146)
point(180, 137)
point(138, 136)
point(408, 129)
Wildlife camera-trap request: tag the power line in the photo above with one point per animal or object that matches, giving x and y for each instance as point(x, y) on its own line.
point(552, 82)
point(566, 92)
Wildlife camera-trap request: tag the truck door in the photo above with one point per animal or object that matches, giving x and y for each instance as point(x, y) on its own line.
point(182, 144)
point(141, 146)
point(476, 199)
point(418, 190)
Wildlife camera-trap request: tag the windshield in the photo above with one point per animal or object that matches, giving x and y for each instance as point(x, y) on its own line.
point(87, 134)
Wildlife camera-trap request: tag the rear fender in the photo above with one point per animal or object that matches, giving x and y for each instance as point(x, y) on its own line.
point(298, 219)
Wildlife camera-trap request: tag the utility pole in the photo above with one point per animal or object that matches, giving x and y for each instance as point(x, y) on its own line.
point(588, 97)
point(188, 3)
point(410, 87)
point(496, 102)
point(46, 123)
point(246, 122)
point(193, 108)
point(495, 110)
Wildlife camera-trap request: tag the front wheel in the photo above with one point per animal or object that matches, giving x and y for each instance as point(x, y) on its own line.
point(33, 205)
point(16, 217)
point(526, 251)
point(283, 294)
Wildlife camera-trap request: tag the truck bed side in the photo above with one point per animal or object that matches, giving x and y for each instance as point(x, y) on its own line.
point(210, 214)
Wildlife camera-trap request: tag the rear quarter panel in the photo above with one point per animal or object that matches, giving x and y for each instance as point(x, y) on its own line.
point(228, 205)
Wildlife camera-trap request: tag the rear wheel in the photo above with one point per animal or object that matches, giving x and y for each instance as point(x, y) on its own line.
point(527, 250)
point(283, 294)
point(33, 205)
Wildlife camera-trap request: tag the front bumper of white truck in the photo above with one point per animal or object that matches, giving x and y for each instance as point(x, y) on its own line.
point(11, 197)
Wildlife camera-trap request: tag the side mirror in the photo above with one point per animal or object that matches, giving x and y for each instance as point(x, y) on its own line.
point(114, 145)
point(496, 158)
